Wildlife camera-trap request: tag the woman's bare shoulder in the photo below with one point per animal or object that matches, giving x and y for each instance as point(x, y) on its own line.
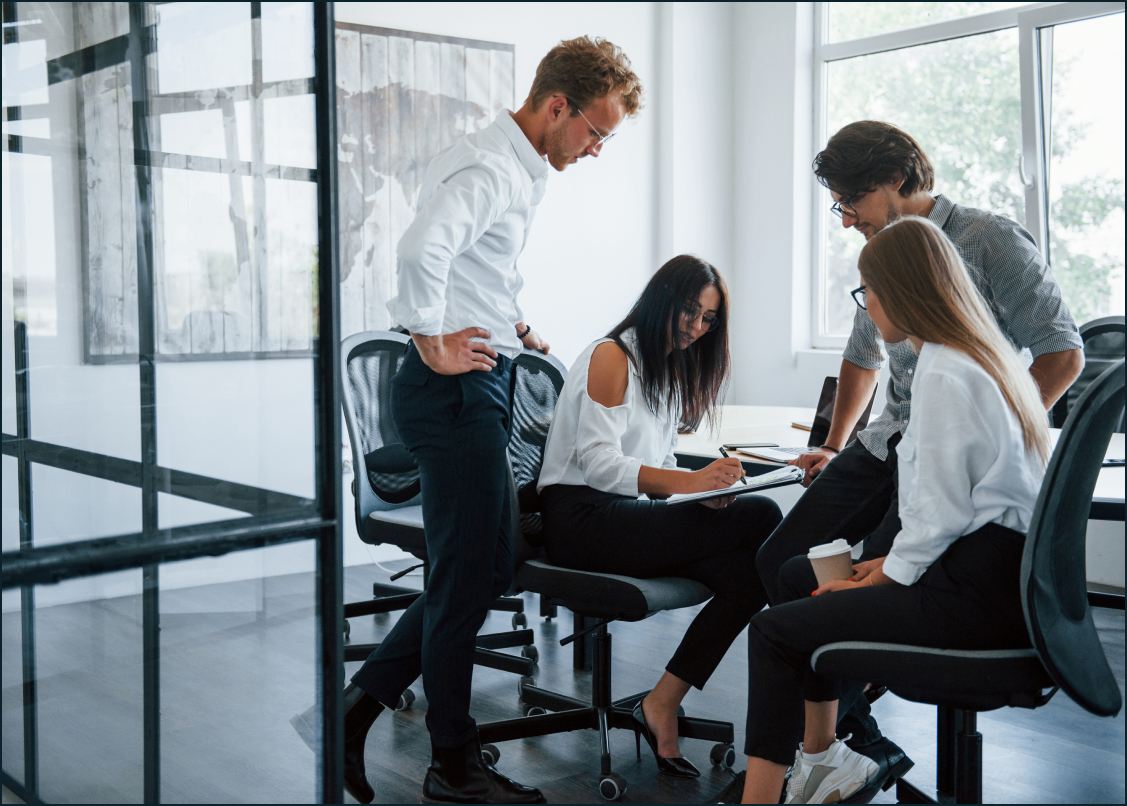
point(608, 375)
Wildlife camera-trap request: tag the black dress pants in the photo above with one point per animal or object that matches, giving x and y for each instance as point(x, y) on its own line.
point(589, 530)
point(853, 498)
point(970, 598)
point(456, 428)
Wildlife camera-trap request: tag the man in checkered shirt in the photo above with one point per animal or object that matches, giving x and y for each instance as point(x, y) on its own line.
point(876, 174)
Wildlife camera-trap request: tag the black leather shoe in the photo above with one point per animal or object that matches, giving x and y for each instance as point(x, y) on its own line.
point(360, 711)
point(461, 775)
point(892, 765)
point(677, 767)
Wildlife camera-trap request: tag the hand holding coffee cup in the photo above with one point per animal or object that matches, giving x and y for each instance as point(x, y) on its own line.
point(831, 561)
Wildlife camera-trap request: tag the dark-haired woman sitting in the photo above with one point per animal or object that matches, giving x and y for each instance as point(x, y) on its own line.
point(612, 440)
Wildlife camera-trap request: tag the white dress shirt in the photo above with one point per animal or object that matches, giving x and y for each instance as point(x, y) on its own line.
point(605, 448)
point(457, 262)
point(962, 462)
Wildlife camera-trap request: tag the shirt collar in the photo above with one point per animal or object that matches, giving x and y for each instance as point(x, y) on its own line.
point(533, 163)
point(941, 211)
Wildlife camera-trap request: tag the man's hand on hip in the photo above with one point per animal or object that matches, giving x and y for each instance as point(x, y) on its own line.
point(813, 462)
point(456, 353)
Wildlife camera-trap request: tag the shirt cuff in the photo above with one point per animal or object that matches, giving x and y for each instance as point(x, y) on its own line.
point(424, 321)
point(629, 483)
point(902, 571)
point(1057, 343)
point(854, 356)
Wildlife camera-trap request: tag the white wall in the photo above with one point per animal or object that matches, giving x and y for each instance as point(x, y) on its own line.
point(592, 245)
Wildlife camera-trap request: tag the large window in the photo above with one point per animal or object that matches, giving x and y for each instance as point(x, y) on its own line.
point(1020, 109)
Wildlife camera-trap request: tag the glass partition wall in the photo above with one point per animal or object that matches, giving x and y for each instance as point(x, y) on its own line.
point(171, 462)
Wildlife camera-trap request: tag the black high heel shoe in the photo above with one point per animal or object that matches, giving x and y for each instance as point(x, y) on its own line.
point(677, 767)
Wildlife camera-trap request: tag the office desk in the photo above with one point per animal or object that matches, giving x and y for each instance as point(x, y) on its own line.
point(773, 424)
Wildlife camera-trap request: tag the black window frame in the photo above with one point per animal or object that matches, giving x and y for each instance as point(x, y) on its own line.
point(275, 518)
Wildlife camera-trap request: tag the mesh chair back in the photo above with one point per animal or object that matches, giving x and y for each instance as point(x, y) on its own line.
point(1103, 346)
point(537, 383)
point(1053, 570)
point(370, 360)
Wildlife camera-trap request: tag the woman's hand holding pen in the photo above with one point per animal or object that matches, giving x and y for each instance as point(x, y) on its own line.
point(716, 476)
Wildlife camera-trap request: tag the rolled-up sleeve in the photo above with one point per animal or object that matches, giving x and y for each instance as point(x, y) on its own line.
point(935, 472)
point(863, 347)
point(598, 449)
point(1027, 297)
point(456, 215)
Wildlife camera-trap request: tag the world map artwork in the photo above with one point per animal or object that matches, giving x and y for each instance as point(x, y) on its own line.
point(402, 98)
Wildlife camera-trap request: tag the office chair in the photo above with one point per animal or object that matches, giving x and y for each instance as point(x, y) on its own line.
point(385, 485)
point(601, 598)
point(1103, 346)
point(1066, 652)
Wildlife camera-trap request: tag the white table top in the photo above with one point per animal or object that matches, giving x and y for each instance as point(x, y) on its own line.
point(773, 424)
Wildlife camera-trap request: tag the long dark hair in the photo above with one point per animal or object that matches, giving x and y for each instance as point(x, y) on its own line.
point(691, 379)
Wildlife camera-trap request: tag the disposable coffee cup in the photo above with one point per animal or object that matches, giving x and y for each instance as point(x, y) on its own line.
point(831, 561)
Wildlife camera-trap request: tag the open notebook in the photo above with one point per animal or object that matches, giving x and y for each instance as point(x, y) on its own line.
point(775, 478)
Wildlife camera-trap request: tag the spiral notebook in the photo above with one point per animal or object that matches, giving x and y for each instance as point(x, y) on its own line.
point(776, 478)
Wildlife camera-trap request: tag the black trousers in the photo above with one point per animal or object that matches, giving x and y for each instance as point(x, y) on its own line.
point(456, 428)
point(853, 498)
point(589, 530)
point(970, 598)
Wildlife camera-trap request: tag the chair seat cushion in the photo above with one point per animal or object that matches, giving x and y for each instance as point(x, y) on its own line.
point(404, 516)
point(979, 680)
point(609, 595)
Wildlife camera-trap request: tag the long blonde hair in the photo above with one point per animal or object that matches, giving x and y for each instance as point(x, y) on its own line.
point(924, 288)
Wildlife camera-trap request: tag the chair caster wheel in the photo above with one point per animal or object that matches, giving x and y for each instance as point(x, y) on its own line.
point(723, 755)
point(524, 681)
point(490, 754)
point(519, 620)
point(405, 700)
point(347, 630)
point(530, 652)
point(532, 710)
point(547, 619)
point(612, 786)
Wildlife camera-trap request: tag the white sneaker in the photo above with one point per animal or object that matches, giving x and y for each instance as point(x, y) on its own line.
point(839, 775)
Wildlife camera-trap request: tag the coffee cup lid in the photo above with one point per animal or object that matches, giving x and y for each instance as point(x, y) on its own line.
point(829, 549)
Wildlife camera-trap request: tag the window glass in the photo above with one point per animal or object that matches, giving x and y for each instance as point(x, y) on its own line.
point(854, 20)
point(89, 675)
point(1086, 235)
point(961, 101)
point(238, 659)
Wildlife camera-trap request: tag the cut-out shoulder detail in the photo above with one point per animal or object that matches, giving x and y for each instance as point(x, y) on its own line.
point(607, 375)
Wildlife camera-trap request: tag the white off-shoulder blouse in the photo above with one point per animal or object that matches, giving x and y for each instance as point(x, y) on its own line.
point(605, 448)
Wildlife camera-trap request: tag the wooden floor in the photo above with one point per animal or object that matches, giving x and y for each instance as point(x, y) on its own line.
point(232, 678)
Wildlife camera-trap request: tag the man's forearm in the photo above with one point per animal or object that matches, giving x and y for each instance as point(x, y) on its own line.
point(854, 388)
point(1055, 372)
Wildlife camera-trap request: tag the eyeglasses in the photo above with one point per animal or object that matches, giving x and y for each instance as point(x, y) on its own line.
point(840, 209)
point(860, 296)
point(690, 312)
point(602, 138)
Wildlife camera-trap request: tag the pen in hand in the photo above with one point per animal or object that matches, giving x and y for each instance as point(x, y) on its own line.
point(724, 453)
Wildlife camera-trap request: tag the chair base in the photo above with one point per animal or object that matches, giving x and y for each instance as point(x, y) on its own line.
point(483, 655)
point(550, 712)
point(958, 776)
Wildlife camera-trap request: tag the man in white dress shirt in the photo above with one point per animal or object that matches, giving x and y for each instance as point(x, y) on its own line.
point(458, 287)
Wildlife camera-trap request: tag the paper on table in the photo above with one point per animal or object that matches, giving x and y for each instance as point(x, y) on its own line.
point(775, 478)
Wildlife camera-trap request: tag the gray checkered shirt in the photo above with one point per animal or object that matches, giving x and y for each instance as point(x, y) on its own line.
point(1012, 276)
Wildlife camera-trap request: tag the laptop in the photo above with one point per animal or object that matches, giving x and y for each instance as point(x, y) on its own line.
point(819, 429)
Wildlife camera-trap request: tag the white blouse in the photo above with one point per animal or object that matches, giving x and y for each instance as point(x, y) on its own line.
point(962, 462)
point(605, 448)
